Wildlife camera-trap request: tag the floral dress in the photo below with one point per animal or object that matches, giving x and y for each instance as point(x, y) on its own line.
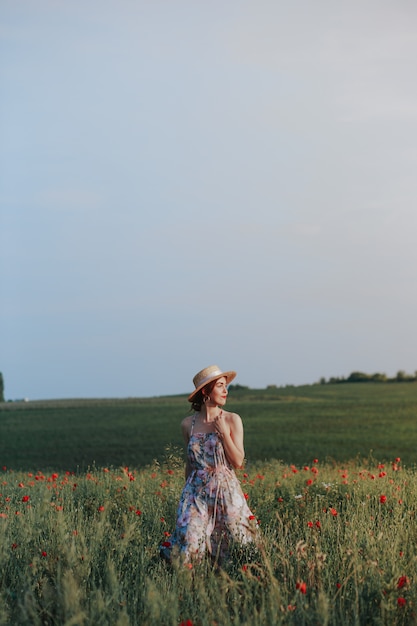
point(212, 511)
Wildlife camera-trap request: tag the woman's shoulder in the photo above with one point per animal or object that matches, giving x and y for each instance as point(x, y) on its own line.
point(187, 423)
point(233, 418)
point(187, 420)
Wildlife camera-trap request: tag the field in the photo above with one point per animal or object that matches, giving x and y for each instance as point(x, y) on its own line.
point(88, 491)
point(292, 424)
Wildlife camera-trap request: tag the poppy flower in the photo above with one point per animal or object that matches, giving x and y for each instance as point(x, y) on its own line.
point(402, 582)
point(401, 601)
point(333, 512)
point(25, 498)
point(302, 587)
point(382, 499)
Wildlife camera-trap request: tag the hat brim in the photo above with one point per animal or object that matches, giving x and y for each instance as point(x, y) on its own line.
point(229, 376)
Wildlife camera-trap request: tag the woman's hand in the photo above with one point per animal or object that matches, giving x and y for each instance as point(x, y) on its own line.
point(221, 425)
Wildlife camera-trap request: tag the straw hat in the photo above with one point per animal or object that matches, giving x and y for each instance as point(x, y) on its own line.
point(206, 376)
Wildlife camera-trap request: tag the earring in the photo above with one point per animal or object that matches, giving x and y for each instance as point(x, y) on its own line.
point(206, 399)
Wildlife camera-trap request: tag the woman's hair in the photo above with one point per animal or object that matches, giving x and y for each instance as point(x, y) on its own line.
point(198, 401)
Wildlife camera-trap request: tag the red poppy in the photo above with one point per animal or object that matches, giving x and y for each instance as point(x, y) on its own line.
point(333, 512)
point(402, 582)
point(187, 622)
point(101, 509)
point(25, 498)
point(44, 554)
point(302, 587)
point(401, 601)
point(382, 499)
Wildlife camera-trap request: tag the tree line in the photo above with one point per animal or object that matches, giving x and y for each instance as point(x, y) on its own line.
point(361, 377)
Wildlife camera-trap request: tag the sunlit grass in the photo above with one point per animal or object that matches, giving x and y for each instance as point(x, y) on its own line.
point(338, 548)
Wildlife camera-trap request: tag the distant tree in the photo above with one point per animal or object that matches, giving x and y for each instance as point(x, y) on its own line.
point(379, 378)
point(358, 377)
point(1, 388)
point(238, 387)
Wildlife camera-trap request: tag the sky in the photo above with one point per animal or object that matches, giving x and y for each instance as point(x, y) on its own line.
point(193, 183)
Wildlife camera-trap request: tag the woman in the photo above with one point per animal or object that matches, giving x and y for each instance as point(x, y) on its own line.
point(212, 511)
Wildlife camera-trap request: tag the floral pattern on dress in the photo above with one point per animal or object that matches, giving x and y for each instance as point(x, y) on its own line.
point(212, 510)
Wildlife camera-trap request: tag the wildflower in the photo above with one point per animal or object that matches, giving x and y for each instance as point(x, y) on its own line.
point(291, 607)
point(382, 474)
point(280, 499)
point(100, 509)
point(138, 512)
point(382, 499)
point(310, 524)
point(333, 512)
point(187, 622)
point(246, 495)
point(166, 544)
point(44, 554)
point(302, 587)
point(401, 601)
point(309, 482)
point(403, 581)
point(318, 525)
point(25, 498)
point(315, 461)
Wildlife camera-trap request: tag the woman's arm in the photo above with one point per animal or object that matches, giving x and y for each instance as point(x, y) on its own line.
point(230, 429)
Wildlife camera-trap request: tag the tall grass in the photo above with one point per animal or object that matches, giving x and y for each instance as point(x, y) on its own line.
point(338, 548)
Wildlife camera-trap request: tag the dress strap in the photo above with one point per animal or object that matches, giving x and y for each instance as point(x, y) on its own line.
point(192, 424)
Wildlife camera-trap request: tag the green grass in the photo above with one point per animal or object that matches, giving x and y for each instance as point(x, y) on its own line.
point(338, 548)
point(80, 535)
point(293, 424)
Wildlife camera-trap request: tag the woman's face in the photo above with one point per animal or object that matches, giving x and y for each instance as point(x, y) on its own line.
point(218, 394)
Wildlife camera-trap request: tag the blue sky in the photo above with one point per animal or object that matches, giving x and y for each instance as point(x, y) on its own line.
point(193, 183)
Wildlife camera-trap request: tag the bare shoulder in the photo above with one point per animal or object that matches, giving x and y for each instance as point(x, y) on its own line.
point(186, 425)
point(233, 418)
